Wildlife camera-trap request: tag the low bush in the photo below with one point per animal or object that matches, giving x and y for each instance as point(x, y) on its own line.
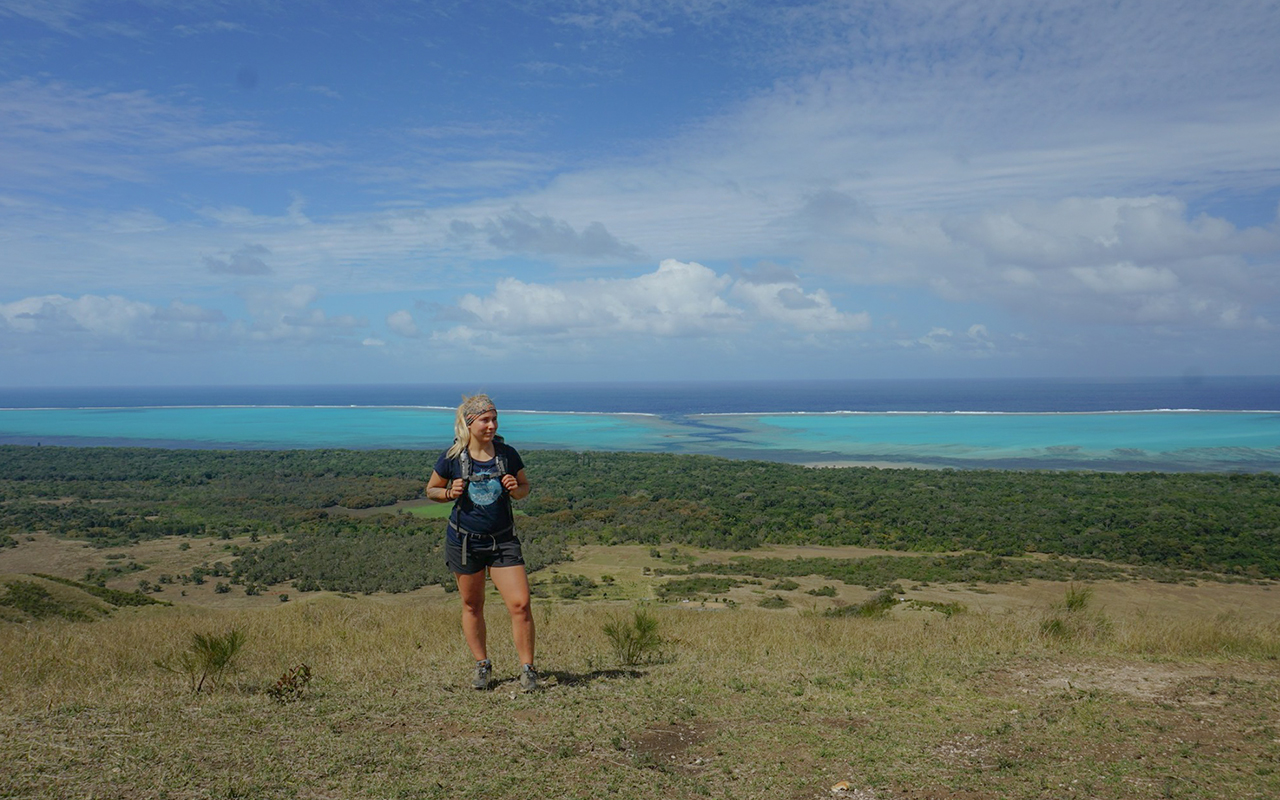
point(291, 685)
point(207, 659)
point(877, 606)
point(633, 640)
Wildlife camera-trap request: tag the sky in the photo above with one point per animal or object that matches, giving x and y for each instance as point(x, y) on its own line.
point(382, 191)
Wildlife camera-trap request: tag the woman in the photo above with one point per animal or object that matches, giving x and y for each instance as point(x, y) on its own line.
point(481, 475)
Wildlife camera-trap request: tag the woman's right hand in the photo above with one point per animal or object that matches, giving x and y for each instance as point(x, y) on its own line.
point(457, 488)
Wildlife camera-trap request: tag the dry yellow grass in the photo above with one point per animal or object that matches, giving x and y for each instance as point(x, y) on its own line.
point(742, 703)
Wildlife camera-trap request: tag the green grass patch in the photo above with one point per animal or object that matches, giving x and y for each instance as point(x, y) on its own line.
point(432, 511)
point(694, 587)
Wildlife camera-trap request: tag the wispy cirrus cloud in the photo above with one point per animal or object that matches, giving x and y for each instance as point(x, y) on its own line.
point(49, 323)
point(52, 132)
point(520, 231)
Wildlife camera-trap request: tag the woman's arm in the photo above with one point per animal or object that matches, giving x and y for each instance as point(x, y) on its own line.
point(442, 491)
point(517, 485)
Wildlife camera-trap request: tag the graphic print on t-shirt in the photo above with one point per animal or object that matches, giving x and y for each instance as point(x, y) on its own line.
point(484, 488)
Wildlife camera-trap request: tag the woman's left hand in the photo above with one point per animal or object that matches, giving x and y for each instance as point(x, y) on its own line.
point(509, 482)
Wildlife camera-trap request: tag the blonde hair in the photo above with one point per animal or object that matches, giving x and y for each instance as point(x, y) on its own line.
point(470, 408)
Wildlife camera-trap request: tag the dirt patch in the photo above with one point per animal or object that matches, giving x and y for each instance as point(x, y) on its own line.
point(669, 745)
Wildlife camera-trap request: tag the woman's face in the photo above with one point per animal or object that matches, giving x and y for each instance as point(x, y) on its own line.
point(485, 426)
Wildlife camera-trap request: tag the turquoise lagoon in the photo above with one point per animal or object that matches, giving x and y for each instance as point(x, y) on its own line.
point(1123, 441)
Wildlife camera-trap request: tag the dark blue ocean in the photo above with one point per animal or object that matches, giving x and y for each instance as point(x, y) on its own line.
point(745, 397)
point(1170, 424)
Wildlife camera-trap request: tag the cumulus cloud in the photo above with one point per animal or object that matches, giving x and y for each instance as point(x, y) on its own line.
point(245, 261)
point(520, 231)
point(403, 324)
point(976, 342)
point(94, 320)
point(1142, 260)
point(785, 302)
point(290, 315)
point(1081, 260)
point(274, 316)
point(678, 299)
point(1092, 230)
point(675, 300)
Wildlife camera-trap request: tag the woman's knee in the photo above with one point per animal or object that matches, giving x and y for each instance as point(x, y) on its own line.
point(519, 606)
point(471, 592)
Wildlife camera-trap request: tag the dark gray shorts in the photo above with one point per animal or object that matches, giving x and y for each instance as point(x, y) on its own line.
point(482, 552)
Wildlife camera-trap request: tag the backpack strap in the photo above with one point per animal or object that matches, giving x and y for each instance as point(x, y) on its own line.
point(464, 462)
point(499, 460)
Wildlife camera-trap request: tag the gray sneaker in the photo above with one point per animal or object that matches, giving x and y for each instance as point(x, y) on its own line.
point(484, 671)
point(529, 678)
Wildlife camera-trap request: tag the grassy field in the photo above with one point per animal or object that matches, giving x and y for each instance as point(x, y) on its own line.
point(1143, 691)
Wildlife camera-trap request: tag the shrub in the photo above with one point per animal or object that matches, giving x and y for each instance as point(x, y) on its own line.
point(291, 685)
point(1074, 620)
point(207, 659)
point(942, 608)
point(877, 606)
point(1078, 597)
point(776, 601)
point(633, 640)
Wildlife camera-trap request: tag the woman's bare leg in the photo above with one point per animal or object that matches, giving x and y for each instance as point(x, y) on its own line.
point(513, 585)
point(471, 589)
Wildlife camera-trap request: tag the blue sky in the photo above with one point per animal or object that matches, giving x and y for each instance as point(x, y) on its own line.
point(214, 191)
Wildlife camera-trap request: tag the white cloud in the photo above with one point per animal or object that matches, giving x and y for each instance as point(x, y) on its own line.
point(937, 339)
point(977, 342)
point(1126, 278)
point(1141, 260)
point(679, 299)
point(1089, 230)
point(402, 323)
point(786, 303)
point(93, 321)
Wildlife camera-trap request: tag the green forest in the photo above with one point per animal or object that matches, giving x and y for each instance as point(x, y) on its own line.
point(1152, 523)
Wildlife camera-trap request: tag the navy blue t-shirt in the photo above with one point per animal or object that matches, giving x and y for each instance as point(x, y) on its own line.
point(485, 507)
